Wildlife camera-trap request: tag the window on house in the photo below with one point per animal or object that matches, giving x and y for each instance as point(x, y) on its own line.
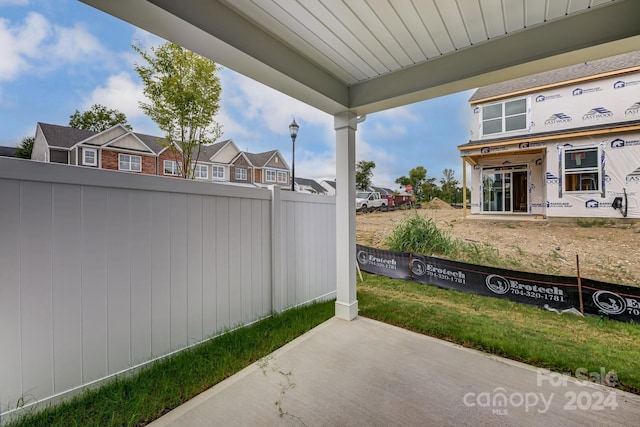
point(218, 172)
point(201, 172)
point(241, 174)
point(580, 169)
point(171, 168)
point(504, 117)
point(127, 162)
point(89, 157)
point(282, 177)
point(271, 176)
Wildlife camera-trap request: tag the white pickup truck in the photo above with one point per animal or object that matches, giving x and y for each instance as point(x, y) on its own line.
point(367, 201)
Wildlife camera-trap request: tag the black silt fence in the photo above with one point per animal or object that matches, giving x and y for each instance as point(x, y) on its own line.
point(558, 292)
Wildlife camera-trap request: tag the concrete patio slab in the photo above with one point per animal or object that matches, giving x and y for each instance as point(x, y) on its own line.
point(367, 373)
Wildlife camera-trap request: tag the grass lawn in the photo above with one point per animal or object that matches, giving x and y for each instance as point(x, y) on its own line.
point(141, 398)
point(562, 343)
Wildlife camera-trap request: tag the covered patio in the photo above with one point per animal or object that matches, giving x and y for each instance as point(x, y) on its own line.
point(351, 58)
point(372, 374)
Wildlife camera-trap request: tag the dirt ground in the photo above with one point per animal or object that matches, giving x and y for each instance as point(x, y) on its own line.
point(608, 250)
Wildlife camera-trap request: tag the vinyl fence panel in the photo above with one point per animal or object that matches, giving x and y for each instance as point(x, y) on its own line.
point(102, 271)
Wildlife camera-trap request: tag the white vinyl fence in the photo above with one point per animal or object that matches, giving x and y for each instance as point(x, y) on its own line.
point(103, 271)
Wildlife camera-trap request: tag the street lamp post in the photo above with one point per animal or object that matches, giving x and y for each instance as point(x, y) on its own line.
point(293, 131)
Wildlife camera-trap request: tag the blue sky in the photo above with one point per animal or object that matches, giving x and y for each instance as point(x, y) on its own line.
point(59, 56)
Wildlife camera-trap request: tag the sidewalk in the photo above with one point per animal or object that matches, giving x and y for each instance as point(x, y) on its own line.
point(367, 373)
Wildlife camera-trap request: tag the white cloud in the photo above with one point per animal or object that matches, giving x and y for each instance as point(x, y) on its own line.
point(314, 165)
point(268, 107)
point(20, 44)
point(35, 45)
point(121, 93)
point(74, 44)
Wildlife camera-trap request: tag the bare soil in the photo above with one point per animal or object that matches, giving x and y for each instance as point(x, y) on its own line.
point(608, 250)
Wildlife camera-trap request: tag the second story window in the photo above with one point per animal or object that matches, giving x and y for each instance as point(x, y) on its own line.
point(271, 176)
point(282, 177)
point(129, 163)
point(218, 172)
point(89, 157)
point(241, 174)
point(171, 168)
point(200, 171)
point(504, 117)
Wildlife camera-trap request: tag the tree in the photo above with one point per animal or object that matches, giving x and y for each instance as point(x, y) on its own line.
point(422, 187)
point(25, 148)
point(449, 186)
point(364, 173)
point(98, 118)
point(183, 90)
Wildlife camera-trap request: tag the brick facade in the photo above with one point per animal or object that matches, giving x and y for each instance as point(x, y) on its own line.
point(168, 155)
point(110, 161)
point(243, 164)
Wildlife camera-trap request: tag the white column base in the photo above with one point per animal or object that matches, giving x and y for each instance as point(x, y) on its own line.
point(346, 311)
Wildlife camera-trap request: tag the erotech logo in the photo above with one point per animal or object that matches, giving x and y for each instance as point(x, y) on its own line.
point(597, 113)
point(609, 302)
point(619, 84)
point(558, 119)
point(577, 91)
point(363, 257)
point(592, 203)
point(418, 267)
point(497, 284)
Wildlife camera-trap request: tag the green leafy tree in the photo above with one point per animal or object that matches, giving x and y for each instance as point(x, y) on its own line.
point(25, 148)
point(364, 174)
point(422, 187)
point(183, 90)
point(449, 186)
point(98, 118)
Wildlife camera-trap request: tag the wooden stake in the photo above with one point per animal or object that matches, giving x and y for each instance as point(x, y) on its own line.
point(359, 272)
point(579, 285)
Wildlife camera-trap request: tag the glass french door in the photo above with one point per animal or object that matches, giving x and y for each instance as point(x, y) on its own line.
point(498, 191)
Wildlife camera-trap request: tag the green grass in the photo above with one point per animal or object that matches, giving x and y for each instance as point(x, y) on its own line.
point(562, 343)
point(594, 222)
point(139, 399)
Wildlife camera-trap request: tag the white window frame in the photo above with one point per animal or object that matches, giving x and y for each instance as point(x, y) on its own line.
point(284, 179)
point(270, 172)
point(198, 168)
point(126, 163)
point(172, 167)
point(243, 174)
point(215, 172)
point(594, 171)
point(86, 151)
point(504, 118)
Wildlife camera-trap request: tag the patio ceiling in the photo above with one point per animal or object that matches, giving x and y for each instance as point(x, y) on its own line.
point(370, 55)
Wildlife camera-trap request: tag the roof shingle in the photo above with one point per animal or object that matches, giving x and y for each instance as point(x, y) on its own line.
point(605, 65)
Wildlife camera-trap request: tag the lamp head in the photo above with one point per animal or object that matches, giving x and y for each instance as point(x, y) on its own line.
point(293, 129)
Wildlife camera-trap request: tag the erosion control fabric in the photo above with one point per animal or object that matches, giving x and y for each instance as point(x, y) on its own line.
point(557, 292)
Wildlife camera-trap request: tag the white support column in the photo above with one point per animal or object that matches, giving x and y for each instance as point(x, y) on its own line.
point(346, 303)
